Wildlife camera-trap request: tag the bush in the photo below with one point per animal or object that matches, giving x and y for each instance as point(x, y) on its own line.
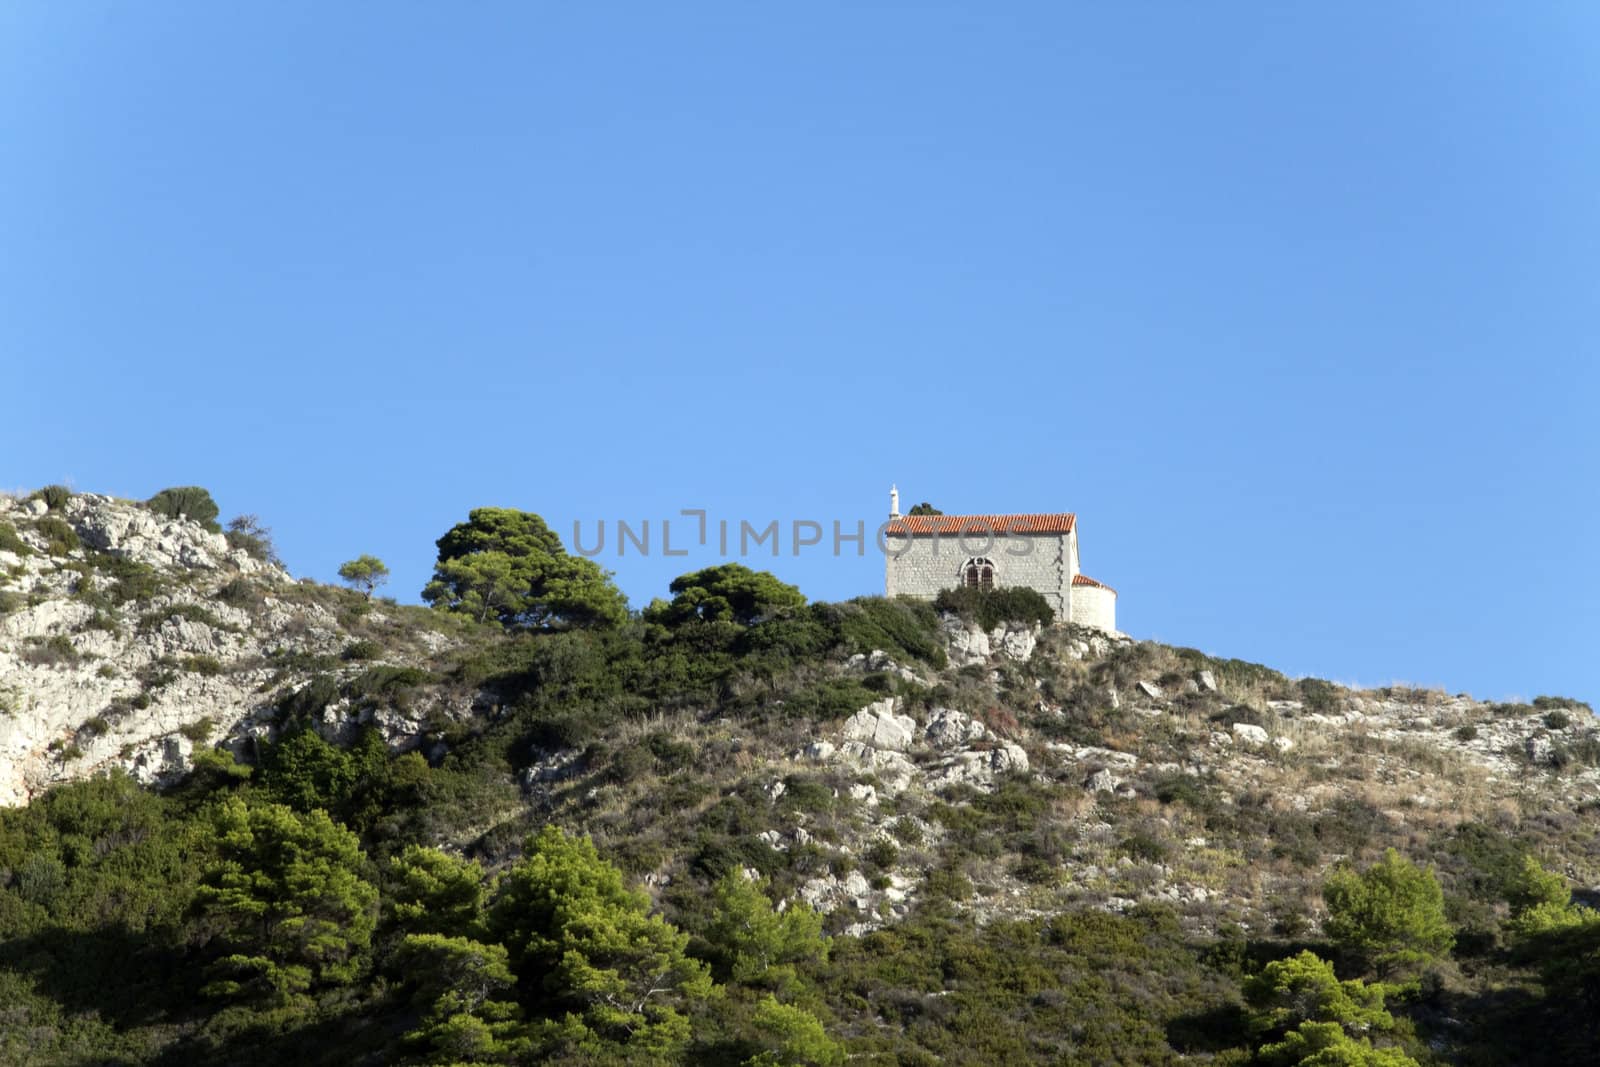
point(991, 607)
point(906, 629)
point(1318, 695)
point(209, 666)
point(131, 580)
point(246, 532)
point(55, 497)
point(1393, 913)
point(11, 542)
point(62, 538)
point(1557, 720)
point(361, 650)
point(153, 620)
point(1144, 847)
point(1466, 733)
point(239, 592)
point(198, 730)
point(1544, 702)
point(186, 501)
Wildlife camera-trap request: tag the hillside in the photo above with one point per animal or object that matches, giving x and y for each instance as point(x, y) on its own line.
point(1026, 842)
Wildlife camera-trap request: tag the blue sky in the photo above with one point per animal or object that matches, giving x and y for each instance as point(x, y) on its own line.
point(1294, 305)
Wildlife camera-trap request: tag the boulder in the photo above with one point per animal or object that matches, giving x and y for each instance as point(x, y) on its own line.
point(1250, 733)
point(878, 726)
point(1018, 644)
point(948, 729)
point(1150, 689)
point(979, 767)
point(1207, 681)
point(966, 643)
point(1102, 781)
point(821, 751)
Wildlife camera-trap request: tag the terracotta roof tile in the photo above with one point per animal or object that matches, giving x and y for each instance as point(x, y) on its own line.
point(1084, 579)
point(952, 525)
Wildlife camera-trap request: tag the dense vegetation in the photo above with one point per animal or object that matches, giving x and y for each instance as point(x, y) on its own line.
point(579, 875)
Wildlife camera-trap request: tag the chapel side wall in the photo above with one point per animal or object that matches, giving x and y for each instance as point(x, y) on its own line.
point(1094, 606)
point(929, 564)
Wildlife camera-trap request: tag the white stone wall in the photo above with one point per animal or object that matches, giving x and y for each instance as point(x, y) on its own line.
point(928, 564)
point(1094, 606)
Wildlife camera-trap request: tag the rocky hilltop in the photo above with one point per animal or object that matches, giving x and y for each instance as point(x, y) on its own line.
point(1029, 842)
point(127, 638)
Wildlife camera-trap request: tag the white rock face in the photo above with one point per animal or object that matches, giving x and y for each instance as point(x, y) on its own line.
point(1019, 643)
point(965, 642)
point(878, 726)
point(949, 729)
point(1150, 689)
point(89, 682)
point(879, 660)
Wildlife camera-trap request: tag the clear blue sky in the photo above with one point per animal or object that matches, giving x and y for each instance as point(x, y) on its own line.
point(1295, 305)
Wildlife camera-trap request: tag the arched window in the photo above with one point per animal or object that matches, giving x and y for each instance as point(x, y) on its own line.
point(978, 573)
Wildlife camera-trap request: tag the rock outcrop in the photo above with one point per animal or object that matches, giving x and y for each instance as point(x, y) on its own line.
point(148, 637)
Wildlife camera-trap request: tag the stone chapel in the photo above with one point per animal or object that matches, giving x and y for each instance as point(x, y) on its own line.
point(928, 553)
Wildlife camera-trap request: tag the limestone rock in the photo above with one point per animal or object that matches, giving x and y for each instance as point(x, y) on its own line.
point(965, 642)
point(821, 751)
point(1250, 733)
point(1150, 689)
point(948, 729)
point(895, 770)
point(879, 726)
point(1018, 644)
point(1207, 681)
point(1102, 781)
point(980, 767)
point(162, 761)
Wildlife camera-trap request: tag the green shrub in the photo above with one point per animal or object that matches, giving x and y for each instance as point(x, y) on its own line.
point(1392, 913)
point(246, 532)
point(991, 607)
point(1231, 673)
point(199, 730)
point(881, 855)
point(1318, 695)
point(905, 629)
point(62, 538)
point(152, 620)
point(835, 699)
point(669, 752)
point(209, 666)
point(1557, 720)
point(1466, 733)
point(1144, 847)
point(239, 592)
point(186, 501)
point(1240, 713)
point(804, 793)
point(1544, 702)
point(361, 650)
point(131, 579)
point(11, 542)
point(55, 497)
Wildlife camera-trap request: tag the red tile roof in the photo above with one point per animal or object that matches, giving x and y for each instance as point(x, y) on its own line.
point(1084, 579)
point(952, 525)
